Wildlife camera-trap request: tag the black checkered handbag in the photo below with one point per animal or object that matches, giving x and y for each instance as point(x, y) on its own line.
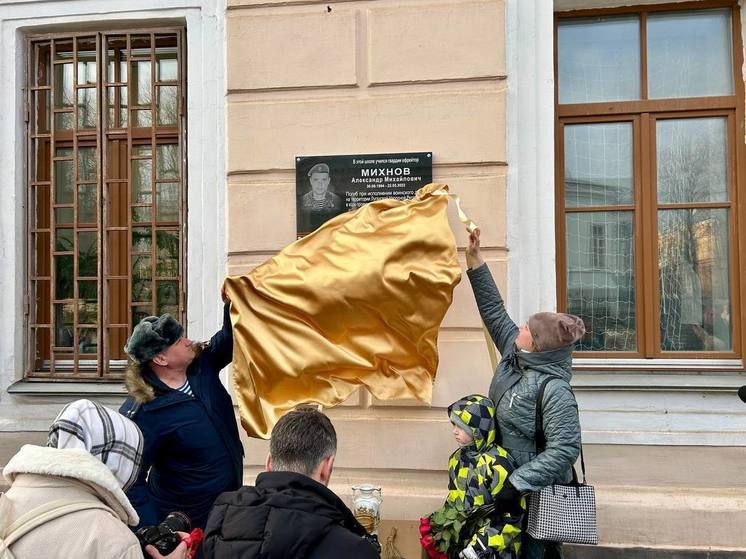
point(561, 512)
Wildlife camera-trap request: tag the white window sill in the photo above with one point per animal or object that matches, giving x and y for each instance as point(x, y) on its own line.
point(652, 365)
point(669, 380)
point(46, 388)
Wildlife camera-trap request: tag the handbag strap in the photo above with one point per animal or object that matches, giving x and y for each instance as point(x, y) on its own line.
point(45, 513)
point(540, 438)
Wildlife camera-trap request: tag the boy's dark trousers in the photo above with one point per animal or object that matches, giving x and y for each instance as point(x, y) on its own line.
point(538, 549)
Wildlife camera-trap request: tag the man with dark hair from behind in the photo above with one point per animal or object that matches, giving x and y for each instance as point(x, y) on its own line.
point(290, 512)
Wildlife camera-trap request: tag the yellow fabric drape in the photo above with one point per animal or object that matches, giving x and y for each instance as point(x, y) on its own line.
point(357, 302)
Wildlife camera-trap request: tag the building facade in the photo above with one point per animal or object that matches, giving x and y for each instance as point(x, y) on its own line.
point(148, 150)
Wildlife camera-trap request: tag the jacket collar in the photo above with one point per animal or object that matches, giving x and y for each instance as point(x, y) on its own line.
point(76, 464)
point(152, 379)
point(557, 362)
point(321, 500)
point(164, 394)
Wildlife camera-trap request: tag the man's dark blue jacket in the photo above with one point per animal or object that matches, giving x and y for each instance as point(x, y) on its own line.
point(192, 452)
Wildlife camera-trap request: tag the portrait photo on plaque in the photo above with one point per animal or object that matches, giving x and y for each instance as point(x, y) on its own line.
point(328, 185)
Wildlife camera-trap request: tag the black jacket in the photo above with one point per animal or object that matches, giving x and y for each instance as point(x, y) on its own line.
point(192, 450)
point(286, 515)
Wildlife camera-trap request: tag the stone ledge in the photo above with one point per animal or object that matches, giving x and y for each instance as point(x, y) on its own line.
point(619, 552)
point(11, 442)
point(684, 516)
point(406, 539)
point(679, 379)
point(670, 517)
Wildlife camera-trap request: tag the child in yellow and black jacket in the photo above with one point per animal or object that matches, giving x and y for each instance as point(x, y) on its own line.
point(478, 477)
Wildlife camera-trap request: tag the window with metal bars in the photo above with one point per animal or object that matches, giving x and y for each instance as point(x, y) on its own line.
point(106, 195)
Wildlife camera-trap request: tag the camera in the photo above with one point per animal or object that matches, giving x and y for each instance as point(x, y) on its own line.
point(164, 537)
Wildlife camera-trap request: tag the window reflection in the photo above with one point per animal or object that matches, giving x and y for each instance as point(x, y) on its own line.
point(599, 59)
point(690, 54)
point(693, 261)
point(598, 164)
point(692, 159)
point(600, 279)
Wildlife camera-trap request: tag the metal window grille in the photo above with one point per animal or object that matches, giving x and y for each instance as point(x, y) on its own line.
point(106, 195)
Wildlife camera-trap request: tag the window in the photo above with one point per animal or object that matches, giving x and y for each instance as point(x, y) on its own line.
point(598, 245)
point(105, 195)
point(649, 101)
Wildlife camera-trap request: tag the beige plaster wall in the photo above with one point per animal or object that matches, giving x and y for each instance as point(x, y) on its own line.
point(307, 78)
point(311, 78)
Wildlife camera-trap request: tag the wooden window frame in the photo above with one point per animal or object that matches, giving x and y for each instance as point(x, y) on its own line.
point(643, 114)
point(102, 366)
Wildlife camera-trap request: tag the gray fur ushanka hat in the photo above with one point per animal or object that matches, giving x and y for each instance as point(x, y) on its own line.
point(153, 335)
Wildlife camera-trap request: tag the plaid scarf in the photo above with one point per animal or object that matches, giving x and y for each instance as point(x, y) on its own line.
point(107, 435)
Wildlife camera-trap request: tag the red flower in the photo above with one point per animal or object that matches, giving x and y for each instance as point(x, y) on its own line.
point(425, 526)
point(427, 541)
point(431, 549)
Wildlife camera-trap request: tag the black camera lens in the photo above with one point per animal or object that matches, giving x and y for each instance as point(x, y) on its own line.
point(178, 522)
point(164, 537)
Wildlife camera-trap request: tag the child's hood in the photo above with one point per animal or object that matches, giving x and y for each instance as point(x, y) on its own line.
point(476, 415)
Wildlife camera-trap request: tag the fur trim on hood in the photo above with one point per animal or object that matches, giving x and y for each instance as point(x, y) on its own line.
point(75, 464)
point(136, 384)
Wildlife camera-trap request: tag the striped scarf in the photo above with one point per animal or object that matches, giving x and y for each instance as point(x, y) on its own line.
point(107, 435)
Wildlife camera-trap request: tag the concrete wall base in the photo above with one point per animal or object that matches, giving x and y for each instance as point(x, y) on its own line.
point(403, 534)
point(618, 552)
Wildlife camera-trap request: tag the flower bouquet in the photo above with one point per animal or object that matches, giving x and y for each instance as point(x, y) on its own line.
point(440, 533)
point(447, 531)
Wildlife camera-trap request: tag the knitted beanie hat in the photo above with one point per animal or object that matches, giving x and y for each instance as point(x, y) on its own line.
point(552, 330)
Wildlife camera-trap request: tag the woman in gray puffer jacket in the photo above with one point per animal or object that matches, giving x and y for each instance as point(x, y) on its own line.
point(539, 350)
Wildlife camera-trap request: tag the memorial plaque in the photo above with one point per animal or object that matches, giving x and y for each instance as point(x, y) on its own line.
point(327, 186)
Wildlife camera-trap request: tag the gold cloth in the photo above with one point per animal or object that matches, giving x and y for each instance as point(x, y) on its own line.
point(357, 302)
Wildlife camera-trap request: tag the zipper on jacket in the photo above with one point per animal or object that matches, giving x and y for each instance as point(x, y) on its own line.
point(514, 395)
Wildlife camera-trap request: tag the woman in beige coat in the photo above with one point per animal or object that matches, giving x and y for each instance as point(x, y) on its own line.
point(93, 454)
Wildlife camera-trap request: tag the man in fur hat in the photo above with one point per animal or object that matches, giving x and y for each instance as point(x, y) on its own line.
point(192, 450)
